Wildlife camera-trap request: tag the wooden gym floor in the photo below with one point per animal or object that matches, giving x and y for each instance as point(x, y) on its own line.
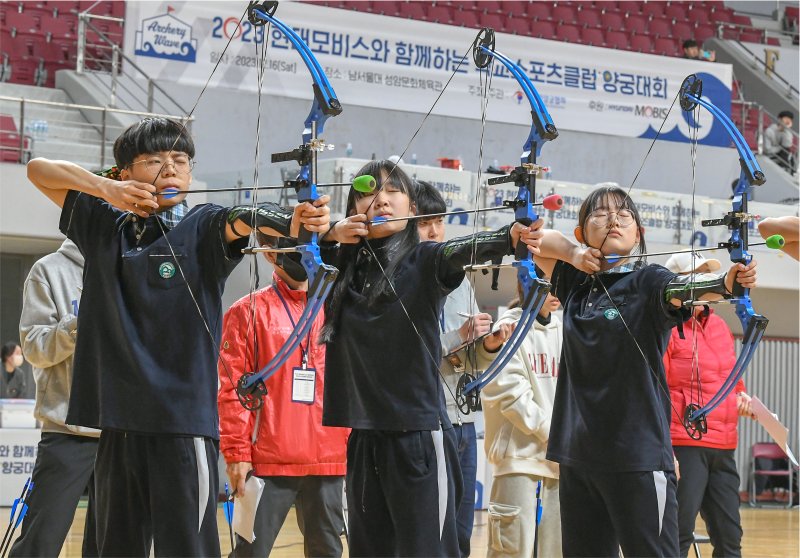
point(768, 532)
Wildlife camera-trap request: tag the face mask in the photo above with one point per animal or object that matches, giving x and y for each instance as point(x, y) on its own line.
point(290, 263)
point(17, 361)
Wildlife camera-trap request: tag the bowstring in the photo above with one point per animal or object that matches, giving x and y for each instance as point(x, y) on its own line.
point(252, 324)
point(694, 379)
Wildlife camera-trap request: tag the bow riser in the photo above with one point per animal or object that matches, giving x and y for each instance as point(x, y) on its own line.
point(251, 387)
point(535, 289)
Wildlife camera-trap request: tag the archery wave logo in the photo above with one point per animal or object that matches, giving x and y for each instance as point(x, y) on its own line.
point(166, 36)
point(681, 125)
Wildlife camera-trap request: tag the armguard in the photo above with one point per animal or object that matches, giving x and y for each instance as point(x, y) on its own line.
point(479, 248)
point(266, 214)
point(684, 287)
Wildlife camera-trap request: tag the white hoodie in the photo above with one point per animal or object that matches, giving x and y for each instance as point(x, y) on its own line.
point(47, 328)
point(518, 402)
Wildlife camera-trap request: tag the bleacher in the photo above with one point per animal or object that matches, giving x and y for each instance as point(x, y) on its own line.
point(651, 27)
point(37, 38)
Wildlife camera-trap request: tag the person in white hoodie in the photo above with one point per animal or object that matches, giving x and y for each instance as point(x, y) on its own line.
point(65, 457)
point(517, 406)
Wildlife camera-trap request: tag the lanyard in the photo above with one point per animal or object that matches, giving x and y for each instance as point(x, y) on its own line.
point(303, 352)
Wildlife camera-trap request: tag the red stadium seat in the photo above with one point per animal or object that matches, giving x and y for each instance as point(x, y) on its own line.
point(563, 14)
point(617, 39)
point(682, 31)
point(439, 14)
point(660, 27)
point(730, 33)
point(488, 7)
point(592, 36)
point(58, 28)
point(699, 15)
point(653, 9)
point(517, 8)
point(117, 9)
point(612, 20)
point(466, 19)
point(676, 12)
point(388, 8)
point(750, 36)
point(568, 33)
point(751, 137)
point(589, 17)
point(22, 23)
point(721, 16)
point(635, 24)
point(494, 21)
point(640, 43)
point(703, 32)
point(518, 26)
point(627, 7)
point(665, 46)
point(412, 10)
point(739, 19)
point(773, 41)
point(536, 10)
point(543, 29)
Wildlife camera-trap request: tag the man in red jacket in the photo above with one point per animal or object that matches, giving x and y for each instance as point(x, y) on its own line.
point(709, 481)
point(284, 443)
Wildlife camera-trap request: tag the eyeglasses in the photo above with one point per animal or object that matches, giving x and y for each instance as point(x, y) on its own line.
point(182, 164)
point(601, 218)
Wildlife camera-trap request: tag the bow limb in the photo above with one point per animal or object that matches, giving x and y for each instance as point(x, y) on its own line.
point(251, 387)
point(737, 220)
point(535, 289)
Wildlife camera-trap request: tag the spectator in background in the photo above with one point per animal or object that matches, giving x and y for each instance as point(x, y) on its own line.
point(65, 457)
point(15, 383)
point(693, 51)
point(700, 361)
point(778, 141)
point(518, 406)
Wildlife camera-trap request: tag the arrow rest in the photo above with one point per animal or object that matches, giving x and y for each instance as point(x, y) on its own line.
point(251, 394)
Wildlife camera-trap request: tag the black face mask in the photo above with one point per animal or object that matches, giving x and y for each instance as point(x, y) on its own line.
point(290, 262)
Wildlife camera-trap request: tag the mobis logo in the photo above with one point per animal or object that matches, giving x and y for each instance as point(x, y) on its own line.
point(657, 113)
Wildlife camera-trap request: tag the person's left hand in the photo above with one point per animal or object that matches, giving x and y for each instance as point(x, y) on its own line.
point(494, 341)
point(315, 217)
point(745, 275)
point(744, 405)
point(530, 235)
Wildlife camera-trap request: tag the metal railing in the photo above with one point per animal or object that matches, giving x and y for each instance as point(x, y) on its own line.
point(103, 130)
point(768, 71)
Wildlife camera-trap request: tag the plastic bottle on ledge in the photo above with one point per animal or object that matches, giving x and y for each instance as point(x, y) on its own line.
point(349, 150)
point(549, 173)
point(413, 158)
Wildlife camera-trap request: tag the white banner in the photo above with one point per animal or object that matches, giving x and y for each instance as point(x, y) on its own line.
point(400, 64)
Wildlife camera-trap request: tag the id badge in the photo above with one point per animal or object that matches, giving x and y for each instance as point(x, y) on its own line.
point(304, 382)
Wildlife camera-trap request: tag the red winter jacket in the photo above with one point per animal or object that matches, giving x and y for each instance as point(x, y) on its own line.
point(291, 440)
point(716, 357)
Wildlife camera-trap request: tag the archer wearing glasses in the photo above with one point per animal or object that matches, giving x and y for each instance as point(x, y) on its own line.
point(181, 163)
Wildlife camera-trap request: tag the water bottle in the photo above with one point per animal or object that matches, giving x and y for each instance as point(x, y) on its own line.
point(413, 158)
point(549, 173)
point(349, 150)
